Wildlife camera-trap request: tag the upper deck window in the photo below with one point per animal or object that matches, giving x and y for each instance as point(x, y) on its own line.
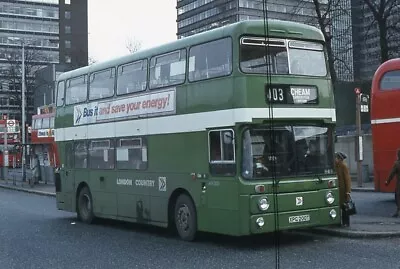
point(37, 124)
point(302, 53)
point(102, 84)
point(60, 93)
point(76, 91)
point(168, 69)
point(271, 56)
point(390, 81)
point(210, 60)
point(52, 122)
point(46, 123)
point(132, 77)
point(256, 58)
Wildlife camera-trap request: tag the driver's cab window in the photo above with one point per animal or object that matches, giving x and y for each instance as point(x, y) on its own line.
point(221, 144)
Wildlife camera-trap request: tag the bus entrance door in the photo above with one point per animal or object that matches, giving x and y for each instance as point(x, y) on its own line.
point(67, 175)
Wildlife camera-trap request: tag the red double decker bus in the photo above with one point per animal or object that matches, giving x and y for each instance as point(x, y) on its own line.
point(385, 121)
point(13, 142)
point(42, 136)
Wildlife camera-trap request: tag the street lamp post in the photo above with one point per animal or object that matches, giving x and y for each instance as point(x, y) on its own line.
point(22, 107)
point(23, 115)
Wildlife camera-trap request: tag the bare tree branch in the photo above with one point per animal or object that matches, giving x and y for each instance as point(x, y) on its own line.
point(92, 60)
point(325, 13)
point(384, 11)
point(12, 74)
point(133, 45)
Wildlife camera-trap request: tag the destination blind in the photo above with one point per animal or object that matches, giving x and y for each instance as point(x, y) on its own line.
point(291, 94)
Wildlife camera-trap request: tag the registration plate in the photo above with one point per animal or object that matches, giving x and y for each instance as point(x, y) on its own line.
point(302, 218)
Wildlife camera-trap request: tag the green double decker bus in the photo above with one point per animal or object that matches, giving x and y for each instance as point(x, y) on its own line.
point(227, 131)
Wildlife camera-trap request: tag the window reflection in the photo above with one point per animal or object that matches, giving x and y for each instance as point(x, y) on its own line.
point(261, 56)
point(390, 81)
point(287, 151)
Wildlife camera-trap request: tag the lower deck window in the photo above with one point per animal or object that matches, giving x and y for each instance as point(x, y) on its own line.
point(287, 151)
point(222, 152)
point(101, 153)
point(132, 153)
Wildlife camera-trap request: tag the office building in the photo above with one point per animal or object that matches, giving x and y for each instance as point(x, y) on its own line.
point(367, 56)
point(51, 31)
point(202, 15)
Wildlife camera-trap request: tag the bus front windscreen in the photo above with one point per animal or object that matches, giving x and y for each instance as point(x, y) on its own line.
point(287, 151)
point(282, 57)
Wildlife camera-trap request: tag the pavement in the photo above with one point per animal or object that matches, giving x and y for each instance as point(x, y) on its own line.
point(362, 225)
point(41, 188)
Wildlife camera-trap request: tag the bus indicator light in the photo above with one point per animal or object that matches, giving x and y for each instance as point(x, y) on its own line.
point(259, 188)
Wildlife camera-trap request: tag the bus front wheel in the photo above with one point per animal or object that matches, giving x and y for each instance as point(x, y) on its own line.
point(85, 206)
point(185, 218)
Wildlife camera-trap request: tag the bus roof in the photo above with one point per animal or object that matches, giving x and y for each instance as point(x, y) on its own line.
point(42, 116)
point(389, 65)
point(276, 28)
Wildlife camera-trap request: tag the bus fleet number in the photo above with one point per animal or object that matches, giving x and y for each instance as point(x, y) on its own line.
point(275, 94)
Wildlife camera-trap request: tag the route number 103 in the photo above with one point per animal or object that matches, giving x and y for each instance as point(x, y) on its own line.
point(275, 95)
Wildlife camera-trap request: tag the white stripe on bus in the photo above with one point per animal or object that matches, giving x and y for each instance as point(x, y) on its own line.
point(389, 120)
point(186, 123)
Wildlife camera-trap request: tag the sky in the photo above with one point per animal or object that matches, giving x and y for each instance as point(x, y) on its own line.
point(113, 23)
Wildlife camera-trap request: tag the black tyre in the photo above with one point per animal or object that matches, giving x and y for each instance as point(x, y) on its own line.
point(185, 218)
point(85, 206)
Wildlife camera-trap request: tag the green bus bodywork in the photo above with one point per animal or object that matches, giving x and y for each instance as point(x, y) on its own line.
point(135, 155)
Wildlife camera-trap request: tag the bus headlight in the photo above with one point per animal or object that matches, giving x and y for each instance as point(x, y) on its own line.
point(260, 222)
point(333, 213)
point(263, 204)
point(329, 198)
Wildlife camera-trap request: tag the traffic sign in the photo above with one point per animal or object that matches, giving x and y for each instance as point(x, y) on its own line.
point(364, 102)
point(10, 123)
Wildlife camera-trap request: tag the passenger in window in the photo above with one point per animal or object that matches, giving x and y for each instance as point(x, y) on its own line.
point(312, 162)
point(216, 154)
point(277, 154)
point(215, 146)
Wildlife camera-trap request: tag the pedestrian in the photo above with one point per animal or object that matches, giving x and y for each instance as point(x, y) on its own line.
point(35, 169)
point(396, 172)
point(344, 182)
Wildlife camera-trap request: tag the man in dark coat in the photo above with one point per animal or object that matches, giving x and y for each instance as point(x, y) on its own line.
point(396, 172)
point(344, 182)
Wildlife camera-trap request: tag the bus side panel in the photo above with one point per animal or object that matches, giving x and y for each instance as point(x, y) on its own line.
point(222, 205)
point(102, 186)
point(384, 151)
point(66, 195)
point(170, 166)
point(188, 154)
point(133, 195)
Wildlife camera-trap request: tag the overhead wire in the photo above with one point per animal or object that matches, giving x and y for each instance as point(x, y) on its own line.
point(269, 93)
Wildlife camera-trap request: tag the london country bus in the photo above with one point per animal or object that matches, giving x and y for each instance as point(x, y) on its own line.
point(385, 121)
point(179, 135)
